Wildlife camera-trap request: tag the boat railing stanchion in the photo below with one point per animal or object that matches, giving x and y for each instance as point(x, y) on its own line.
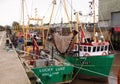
point(52, 52)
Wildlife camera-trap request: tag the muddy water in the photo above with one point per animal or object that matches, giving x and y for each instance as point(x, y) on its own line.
point(112, 79)
point(77, 81)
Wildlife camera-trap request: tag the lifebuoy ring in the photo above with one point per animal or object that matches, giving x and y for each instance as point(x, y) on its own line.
point(86, 54)
point(104, 53)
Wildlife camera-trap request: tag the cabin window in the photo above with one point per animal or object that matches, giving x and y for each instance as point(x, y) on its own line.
point(105, 47)
point(102, 48)
point(94, 49)
point(80, 47)
point(98, 48)
point(85, 48)
point(89, 49)
point(75, 47)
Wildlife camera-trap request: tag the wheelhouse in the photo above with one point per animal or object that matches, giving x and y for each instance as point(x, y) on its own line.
point(92, 49)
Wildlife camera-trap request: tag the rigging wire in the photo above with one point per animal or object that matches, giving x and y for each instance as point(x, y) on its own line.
point(47, 11)
point(26, 9)
point(31, 8)
point(95, 72)
point(20, 21)
point(71, 6)
point(78, 70)
point(57, 12)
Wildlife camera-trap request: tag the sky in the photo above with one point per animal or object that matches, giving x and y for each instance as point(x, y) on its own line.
point(10, 10)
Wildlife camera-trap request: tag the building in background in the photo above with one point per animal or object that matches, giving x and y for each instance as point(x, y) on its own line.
point(109, 13)
point(109, 16)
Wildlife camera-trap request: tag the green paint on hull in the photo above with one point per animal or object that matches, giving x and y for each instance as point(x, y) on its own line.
point(54, 74)
point(99, 66)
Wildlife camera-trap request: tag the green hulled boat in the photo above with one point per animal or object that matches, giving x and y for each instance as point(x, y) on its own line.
point(94, 66)
point(88, 51)
point(46, 69)
point(89, 59)
point(39, 63)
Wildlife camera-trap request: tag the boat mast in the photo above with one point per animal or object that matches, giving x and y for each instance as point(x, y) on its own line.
point(42, 27)
point(23, 27)
point(77, 25)
point(71, 11)
point(77, 29)
point(67, 16)
point(23, 16)
point(54, 3)
point(94, 21)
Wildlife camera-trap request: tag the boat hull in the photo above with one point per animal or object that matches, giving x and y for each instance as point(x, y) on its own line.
point(94, 66)
point(54, 74)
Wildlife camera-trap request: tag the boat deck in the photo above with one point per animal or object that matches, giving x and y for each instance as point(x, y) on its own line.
point(11, 69)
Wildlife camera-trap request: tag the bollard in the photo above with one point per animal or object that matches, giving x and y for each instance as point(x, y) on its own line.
point(7, 42)
point(10, 46)
point(118, 77)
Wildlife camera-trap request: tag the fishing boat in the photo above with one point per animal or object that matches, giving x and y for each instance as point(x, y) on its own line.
point(47, 67)
point(39, 62)
point(92, 59)
point(89, 57)
point(90, 54)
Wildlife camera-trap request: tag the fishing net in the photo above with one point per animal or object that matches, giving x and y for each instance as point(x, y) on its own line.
point(62, 42)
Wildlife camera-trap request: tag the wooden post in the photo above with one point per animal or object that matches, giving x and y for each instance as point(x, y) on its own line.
point(118, 77)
